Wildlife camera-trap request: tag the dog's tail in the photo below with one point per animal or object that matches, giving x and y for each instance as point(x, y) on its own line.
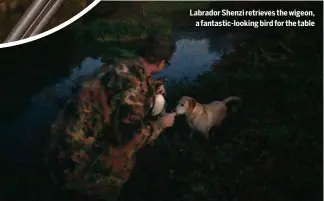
point(231, 98)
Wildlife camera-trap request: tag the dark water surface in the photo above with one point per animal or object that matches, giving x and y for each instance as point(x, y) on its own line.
point(196, 52)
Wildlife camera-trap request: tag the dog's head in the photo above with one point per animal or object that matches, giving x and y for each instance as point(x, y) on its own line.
point(186, 105)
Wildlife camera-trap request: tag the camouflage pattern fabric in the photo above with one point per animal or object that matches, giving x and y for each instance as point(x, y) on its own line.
point(95, 137)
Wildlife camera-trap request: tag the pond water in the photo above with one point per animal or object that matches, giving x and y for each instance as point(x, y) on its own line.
point(196, 52)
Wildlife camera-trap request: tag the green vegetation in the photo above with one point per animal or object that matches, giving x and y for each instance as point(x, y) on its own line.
point(119, 38)
point(118, 35)
point(269, 147)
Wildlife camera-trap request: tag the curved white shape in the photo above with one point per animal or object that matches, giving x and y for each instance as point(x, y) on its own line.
point(159, 105)
point(53, 30)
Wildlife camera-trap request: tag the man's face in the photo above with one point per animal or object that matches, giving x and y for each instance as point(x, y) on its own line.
point(159, 67)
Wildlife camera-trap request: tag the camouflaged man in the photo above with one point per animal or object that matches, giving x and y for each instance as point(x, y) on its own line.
point(96, 136)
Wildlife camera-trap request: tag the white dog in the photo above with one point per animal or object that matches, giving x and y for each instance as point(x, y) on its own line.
point(202, 117)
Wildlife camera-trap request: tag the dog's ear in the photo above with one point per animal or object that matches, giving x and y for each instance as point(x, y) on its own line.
point(192, 104)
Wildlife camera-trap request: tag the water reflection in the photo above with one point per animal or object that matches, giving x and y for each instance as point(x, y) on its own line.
point(63, 88)
point(43, 107)
point(191, 58)
point(194, 55)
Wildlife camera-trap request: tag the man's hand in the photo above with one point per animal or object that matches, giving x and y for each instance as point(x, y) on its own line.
point(167, 120)
point(161, 90)
point(159, 85)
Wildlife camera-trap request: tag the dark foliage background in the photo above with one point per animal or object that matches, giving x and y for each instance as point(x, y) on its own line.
point(270, 146)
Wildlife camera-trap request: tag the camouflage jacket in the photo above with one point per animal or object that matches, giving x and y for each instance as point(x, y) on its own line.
point(93, 140)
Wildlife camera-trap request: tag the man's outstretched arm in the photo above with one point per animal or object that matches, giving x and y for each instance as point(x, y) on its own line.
point(130, 118)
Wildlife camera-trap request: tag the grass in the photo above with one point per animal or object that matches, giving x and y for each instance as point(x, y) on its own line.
point(269, 147)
